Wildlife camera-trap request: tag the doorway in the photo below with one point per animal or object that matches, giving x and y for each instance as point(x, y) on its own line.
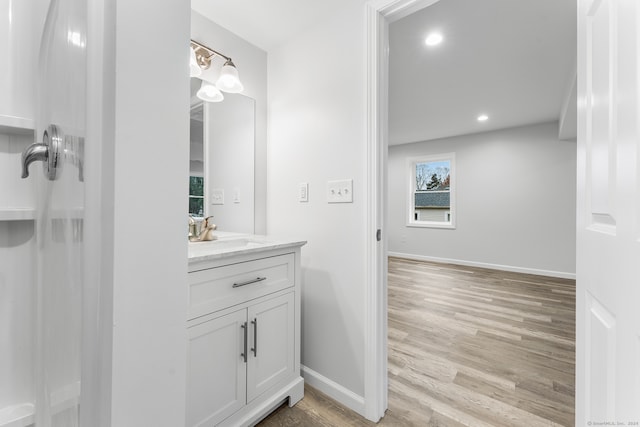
point(380, 18)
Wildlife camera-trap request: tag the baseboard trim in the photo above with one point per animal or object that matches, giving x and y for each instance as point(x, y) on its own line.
point(334, 390)
point(549, 273)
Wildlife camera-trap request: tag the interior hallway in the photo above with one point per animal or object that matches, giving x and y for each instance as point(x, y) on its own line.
point(467, 346)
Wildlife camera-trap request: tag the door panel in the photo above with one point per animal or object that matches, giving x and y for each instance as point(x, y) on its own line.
point(601, 338)
point(271, 359)
point(216, 371)
point(608, 213)
point(601, 153)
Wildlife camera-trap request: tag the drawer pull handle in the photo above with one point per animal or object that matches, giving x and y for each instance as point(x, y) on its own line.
point(244, 353)
point(249, 282)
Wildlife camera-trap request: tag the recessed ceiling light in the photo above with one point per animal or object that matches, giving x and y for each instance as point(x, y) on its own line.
point(483, 118)
point(433, 39)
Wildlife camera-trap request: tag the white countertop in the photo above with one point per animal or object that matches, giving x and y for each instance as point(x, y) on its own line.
point(232, 244)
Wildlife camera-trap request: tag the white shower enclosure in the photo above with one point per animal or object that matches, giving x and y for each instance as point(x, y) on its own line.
point(48, 310)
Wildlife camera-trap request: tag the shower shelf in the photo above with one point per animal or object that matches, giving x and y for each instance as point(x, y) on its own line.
point(17, 415)
point(29, 214)
point(17, 214)
point(19, 125)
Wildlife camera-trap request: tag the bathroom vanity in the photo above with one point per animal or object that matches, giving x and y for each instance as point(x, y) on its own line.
point(243, 327)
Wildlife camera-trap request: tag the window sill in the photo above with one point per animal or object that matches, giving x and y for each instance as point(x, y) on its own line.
point(444, 225)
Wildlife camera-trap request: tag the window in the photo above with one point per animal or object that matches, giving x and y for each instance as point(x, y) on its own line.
point(196, 196)
point(432, 191)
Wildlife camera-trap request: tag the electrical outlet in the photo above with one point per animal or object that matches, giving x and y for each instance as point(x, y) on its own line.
point(303, 192)
point(340, 191)
point(217, 196)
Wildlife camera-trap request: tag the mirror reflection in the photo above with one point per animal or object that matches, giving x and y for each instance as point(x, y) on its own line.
point(221, 167)
point(196, 162)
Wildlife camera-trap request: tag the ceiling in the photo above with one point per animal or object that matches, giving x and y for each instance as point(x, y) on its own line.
point(513, 60)
point(267, 23)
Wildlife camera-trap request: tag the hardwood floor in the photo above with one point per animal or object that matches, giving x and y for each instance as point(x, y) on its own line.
point(467, 346)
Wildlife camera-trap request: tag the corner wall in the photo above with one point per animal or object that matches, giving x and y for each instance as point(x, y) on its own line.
point(516, 196)
point(317, 110)
point(144, 182)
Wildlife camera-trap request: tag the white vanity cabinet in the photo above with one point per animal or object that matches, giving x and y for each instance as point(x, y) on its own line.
point(244, 335)
point(216, 376)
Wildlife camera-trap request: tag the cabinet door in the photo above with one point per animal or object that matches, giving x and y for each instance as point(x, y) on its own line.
point(216, 370)
point(271, 344)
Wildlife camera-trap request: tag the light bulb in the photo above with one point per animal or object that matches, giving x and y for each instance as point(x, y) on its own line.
point(433, 39)
point(229, 80)
point(209, 93)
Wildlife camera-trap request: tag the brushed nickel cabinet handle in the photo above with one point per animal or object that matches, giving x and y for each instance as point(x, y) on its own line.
point(255, 337)
point(249, 282)
point(244, 353)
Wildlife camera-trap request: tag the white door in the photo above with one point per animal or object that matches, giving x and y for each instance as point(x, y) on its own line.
point(217, 369)
point(60, 128)
point(608, 214)
point(271, 346)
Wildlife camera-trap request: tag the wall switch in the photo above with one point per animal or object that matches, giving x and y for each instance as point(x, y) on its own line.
point(303, 192)
point(217, 196)
point(340, 191)
point(236, 195)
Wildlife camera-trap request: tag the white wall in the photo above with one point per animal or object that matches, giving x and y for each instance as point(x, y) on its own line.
point(515, 201)
point(251, 62)
point(145, 189)
point(317, 133)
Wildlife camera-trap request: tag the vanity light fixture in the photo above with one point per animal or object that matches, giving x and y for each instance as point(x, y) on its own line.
point(228, 80)
point(194, 68)
point(483, 118)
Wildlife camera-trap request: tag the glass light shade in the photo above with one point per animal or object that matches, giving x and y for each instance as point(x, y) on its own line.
point(194, 68)
point(209, 93)
point(229, 80)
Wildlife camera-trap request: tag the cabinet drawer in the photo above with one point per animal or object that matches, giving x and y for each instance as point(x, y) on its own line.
point(217, 288)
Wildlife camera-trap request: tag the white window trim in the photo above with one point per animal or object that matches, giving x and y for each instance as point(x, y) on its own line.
point(411, 172)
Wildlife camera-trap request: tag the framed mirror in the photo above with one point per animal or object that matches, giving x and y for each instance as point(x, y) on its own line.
point(222, 156)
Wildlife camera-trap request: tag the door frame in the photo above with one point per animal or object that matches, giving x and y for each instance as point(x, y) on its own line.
point(379, 14)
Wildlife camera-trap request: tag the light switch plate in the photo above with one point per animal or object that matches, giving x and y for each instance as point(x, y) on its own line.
point(236, 195)
point(340, 191)
point(217, 196)
point(303, 192)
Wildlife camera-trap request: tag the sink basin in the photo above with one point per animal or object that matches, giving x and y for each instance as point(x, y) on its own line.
point(235, 243)
point(227, 244)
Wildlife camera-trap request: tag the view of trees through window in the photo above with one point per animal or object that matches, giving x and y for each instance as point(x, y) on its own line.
point(196, 196)
point(431, 191)
point(433, 176)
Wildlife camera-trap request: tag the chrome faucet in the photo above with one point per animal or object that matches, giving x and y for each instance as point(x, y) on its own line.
point(47, 151)
point(193, 230)
point(54, 150)
point(35, 152)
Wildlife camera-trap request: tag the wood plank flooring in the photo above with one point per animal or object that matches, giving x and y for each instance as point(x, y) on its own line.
point(467, 346)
